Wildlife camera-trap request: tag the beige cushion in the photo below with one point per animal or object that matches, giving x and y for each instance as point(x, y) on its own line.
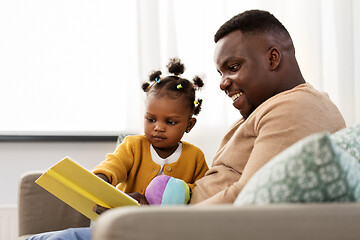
point(281, 222)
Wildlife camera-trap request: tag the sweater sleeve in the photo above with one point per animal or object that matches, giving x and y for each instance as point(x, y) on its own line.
point(117, 164)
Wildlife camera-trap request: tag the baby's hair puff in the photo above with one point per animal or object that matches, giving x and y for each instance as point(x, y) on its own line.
point(175, 67)
point(174, 86)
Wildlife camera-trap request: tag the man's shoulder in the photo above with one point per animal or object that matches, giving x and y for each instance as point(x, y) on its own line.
point(299, 98)
point(303, 106)
point(304, 90)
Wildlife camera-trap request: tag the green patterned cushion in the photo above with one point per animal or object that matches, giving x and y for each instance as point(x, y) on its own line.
point(312, 170)
point(349, 140)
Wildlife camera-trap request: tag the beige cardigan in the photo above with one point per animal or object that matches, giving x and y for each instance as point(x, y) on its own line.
point(273, 126)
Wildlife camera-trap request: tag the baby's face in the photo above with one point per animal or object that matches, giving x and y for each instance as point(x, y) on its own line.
point(166, 121)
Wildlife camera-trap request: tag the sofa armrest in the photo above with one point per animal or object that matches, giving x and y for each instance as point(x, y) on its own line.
point(40, 211)
point(290, 221)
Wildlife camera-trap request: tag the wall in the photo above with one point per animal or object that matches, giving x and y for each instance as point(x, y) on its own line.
point(8, 223)
point(17, 158)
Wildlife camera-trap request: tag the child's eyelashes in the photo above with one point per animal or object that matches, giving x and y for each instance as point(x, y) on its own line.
point(171, 122)
point(150, 119)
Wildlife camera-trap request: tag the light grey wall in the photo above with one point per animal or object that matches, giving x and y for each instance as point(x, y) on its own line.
point(16, 158)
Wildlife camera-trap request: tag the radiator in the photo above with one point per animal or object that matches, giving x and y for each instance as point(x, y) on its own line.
point(8, 223)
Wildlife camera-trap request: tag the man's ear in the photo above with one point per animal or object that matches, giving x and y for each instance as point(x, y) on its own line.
point(191, 123)
point(274, 56)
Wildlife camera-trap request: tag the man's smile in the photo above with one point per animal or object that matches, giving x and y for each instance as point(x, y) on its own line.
point(236, 96)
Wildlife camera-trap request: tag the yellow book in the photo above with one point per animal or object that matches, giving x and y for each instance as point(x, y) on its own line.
point(81, 189)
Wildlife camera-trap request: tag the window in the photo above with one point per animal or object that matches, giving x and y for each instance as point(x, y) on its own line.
point(68, 65)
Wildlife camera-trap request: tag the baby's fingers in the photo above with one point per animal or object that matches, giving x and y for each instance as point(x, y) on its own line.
point(99, 209)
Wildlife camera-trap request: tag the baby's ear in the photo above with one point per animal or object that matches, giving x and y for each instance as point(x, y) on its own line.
point(191, 123)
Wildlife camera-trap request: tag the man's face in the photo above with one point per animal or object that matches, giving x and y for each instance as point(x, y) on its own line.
point(243, 63)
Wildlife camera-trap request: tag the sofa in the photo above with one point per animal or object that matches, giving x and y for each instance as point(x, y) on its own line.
point(39, 211)
point(309, 191)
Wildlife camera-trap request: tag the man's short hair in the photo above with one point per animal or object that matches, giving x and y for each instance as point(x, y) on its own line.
point(253, 22)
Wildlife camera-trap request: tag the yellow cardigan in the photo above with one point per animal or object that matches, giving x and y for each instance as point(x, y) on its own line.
point(131, 168)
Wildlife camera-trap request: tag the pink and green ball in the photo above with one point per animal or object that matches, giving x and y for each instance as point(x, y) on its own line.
point(166, 190)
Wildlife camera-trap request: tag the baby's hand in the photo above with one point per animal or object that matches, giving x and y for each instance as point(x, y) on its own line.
point(139, 197)
point(103, 177)
point(99, 209)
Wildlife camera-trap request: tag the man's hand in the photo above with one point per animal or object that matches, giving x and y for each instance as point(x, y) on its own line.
point(139, 197)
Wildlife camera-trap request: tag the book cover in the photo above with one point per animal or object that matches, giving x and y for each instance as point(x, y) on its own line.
point(81, 189)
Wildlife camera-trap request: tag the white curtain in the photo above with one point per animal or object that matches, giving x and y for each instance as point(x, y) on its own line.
point(326, 35)
point(78, 65)
point(340, 67)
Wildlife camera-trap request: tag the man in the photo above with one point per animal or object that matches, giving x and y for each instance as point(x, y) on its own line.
point(255, 57)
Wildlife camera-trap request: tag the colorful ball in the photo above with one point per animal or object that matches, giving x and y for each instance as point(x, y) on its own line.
point(166, 190)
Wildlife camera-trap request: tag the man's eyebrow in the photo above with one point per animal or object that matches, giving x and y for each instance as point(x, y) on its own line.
point(229, 59)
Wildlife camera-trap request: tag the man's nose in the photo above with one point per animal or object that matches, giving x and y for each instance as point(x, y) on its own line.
point(224, 83)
